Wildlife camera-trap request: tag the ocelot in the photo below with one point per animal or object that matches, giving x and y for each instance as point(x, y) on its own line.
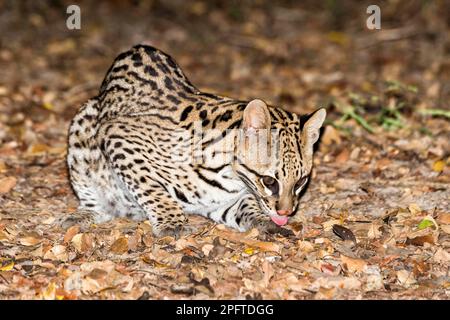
point(152, 146)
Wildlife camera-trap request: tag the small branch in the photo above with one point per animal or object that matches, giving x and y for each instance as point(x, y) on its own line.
point(387, 36)
point(435, 112)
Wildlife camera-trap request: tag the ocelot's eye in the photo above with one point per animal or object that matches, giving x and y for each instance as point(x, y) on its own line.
point(268, 181)
point(271, 184)
point(300, 184)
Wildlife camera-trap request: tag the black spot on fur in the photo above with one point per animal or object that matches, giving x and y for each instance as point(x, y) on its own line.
point(169, 83)
point(173, 99)
point(203, 114)
point(180, 195)
point(185, 113)
point(123, 67)
point(128, 150)
point(119, 156)
point(136, 57)
point(226, 116)
point(151, 71)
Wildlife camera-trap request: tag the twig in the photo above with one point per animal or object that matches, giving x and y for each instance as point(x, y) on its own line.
point(388, 36)
point(76, 90)
point(435, 112)
point(6, 280)
point(155, 285)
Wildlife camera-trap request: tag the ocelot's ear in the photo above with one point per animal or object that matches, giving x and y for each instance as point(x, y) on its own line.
point(256, 116)
point(310, 133)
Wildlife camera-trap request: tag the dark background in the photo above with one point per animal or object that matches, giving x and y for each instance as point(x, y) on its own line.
point(294, 53)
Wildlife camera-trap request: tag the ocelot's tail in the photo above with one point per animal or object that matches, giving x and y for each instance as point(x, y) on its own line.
point(82, 147)
point(84, 126)
point(95, 185)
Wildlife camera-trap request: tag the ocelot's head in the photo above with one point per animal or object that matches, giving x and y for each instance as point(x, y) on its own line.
point(275, 156)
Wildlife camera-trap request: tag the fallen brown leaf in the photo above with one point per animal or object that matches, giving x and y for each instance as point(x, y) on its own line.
point(147, 239)
point(420, 268)
point(206, 249)
point(29, 241)
point(343, 156)
point(305, 246)
point(71, 232)
point(76, 241)
point(420, 240)
point(414, 209)
point(57, 252)
point(353, 264)
point(7, 184)
point(330, 136)
point(346, 283)
point(134, 241)
point(344, 233)
point(328, 268)
point(374, 231)
point(237, 237)
point(444, 218)
point(406, 278)
point(268, 272)
point(87, 242)
point(325, 293)
point(442, 256)
point(97, 274)
point(49, 293)
point(120, 246)
point(446, 228)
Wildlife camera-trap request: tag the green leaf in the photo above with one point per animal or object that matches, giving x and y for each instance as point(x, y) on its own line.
point(425, 223)
point(352, 114)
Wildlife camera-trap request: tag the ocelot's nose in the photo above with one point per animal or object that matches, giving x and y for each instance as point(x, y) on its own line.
point(286, 212)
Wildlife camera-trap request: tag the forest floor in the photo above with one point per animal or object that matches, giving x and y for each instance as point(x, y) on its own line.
point(382, 169)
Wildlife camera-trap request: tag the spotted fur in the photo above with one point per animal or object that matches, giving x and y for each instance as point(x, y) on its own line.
point(123, 141)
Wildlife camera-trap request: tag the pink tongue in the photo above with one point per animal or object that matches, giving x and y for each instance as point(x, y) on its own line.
point(279, 220)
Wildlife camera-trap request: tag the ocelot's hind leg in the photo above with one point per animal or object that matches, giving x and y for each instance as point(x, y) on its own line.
point(81, 217)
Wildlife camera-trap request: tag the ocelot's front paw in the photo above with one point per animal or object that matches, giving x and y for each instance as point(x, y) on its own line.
point(175, 231)
point(267, 226)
